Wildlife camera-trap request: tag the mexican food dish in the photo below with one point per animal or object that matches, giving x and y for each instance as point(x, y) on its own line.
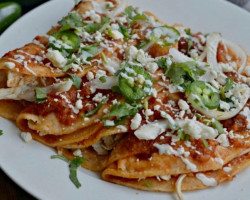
point(150, 105)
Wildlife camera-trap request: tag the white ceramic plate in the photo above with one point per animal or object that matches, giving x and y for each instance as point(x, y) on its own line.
point(30, 166)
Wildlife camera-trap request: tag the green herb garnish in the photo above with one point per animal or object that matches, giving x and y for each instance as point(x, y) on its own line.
point(1, 132)
point(95, 110)
point(92, 28)
point(142, 44)
point(75, 163)
point(217, 125)
point(104, 58)
point(205, 143)
point(148, 184)
point(103, 79)
point(76, 80)
point(125, 31)
point(122, 110)
point(72, 21)
point(61, 157)
point(184, 73)
point(40, 94)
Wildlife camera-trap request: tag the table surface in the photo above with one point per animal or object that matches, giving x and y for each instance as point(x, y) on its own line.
point(10, 190)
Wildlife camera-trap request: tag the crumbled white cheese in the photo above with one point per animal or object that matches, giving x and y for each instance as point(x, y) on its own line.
point(79, 104)
point(219, 160)
point(190, 166)
point(152, 67)
point(196, 129)
point(148, 112)
point(99, 97)
point(131, 52)
point(10, 65)
point(26, 136)
point(227, 67)
point(151, 131)
point(90, 75)
point(141, 57)
point(117, 35)
point(227, 169)
point(77, 153)
point(223, 140)
point(109, 123)
point(224, 105)
point(246, 113)
point(157, 107)
point(205, 180)
point(122, 128)
point(56, 58)
point(165, 177)
point(98, 36)
point(183, 105)
point(100, 73)
point(136, 121)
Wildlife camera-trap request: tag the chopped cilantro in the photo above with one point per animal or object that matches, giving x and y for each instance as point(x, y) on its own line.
point(198, 116)
point(148, 184)
point(182, 135)
point(92, 28)
point(162, 63)
point(103, 79)
point(205, 143)
point(75, 163)
point(95, 110)
point(229, 84)
point(1, 132)
point(76, 80)
point(132, 14)
point(61, 157)
point(125, 31)
point(217, 125)
point(122, 110)
point(145, 105)
point(142, 44)
point(104, 59)
point(188, 31)
point(91, 49)
point(72, 21)
point(184, 73)
point(40, 94)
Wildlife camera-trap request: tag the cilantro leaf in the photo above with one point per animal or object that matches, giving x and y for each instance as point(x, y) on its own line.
point(205, 143)
point(61, 157)
point(95, 110)
point(125, 31)
point(1, 132)
point(217, 125)
point(92, 28)
point(148, 184)
point(162, 63)
point(228, 86)
point(91, 49)
point(142, 44)
point(72, 21)
point(75, 163)
point(132, 14)
point(76, 80)
point(183, 73)
point(122, 110)
point(40, 94)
